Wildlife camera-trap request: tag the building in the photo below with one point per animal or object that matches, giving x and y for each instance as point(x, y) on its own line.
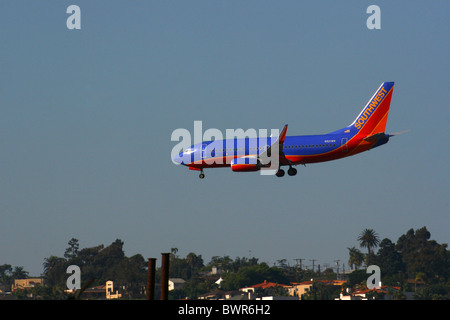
point(98, 292)
point(216, 295)
point(379, 293)
point(110, 290)
point(176, 284)
point(300, 288)
point(105, 291)
point(265, 288)
point(23, 284)
point(247, 293)
point(264, 285)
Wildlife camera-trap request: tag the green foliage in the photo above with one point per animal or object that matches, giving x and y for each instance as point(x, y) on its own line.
point(98, 265)
point(357, 278)
point(413, 254)
point(250, 275)
point(322, 291)
point(226, 264)
point(185, 268)
point(6, 275)
point(434, 292)
point(356, 258)
point(421, 255)
point(369, 239)
point(389, 259)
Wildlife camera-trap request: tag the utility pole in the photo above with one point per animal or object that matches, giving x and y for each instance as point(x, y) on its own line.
point(337, 263)
point(296, 267)
point(296, 262)
point(313, 260)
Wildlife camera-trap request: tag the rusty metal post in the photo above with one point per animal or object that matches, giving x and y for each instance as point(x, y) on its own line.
point(165, 276)
point(151, 279)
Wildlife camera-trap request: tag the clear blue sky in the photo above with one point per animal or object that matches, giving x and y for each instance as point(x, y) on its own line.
point(86, 118)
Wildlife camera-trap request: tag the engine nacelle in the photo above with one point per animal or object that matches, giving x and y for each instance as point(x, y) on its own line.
point(245, 164)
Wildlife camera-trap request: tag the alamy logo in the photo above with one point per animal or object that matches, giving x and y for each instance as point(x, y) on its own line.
point(374, 21)
point(374, 281)
point(74, 20)
point(74, 281)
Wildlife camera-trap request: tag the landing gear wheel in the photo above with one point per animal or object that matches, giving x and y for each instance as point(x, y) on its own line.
point(280, 173)
point(202, 175)
point(292, 171)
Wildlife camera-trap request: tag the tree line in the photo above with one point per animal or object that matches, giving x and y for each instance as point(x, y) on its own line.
point(413, 256)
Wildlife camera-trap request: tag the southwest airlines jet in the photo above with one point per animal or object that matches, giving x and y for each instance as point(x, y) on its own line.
point(366, 132)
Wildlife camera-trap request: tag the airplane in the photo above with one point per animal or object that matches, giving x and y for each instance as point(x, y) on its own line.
point(366, 132)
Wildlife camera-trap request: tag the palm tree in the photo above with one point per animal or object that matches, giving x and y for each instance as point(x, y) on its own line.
point(173, 253)
point(355, 258)
point(368, 239)
point(19, 273)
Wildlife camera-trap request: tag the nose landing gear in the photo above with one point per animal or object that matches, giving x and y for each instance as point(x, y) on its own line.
point(201, 175)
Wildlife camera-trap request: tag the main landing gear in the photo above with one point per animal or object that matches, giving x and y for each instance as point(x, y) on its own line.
point(291, 171)
point(201, 175)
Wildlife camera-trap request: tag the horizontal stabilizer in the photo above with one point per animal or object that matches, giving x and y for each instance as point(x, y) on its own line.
point(375, 137)
point(397, 133)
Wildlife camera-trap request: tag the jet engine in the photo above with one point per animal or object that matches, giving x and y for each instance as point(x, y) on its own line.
point(245, 164)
